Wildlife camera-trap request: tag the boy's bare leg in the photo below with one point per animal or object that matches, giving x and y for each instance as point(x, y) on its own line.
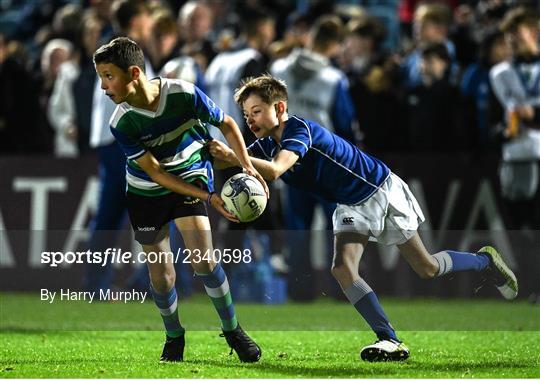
point(418, 257)
point(348, 250)
point(487, 261)
point(162, 273)
point(197, 236)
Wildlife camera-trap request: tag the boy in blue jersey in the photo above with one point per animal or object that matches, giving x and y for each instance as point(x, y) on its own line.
point(161, 125)
point(372, 203)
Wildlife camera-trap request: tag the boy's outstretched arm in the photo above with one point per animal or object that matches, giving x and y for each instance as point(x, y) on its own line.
point(270, 170)
point(152, 167)
point(230, 130)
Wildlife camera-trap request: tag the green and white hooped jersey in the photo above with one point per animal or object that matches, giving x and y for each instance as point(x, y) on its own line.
point(175, 134)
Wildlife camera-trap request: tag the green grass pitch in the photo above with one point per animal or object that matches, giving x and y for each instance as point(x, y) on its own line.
point(447, 338)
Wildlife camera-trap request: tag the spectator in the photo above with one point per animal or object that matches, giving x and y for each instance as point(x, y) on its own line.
point(373, 76)
point(462, 35)
point(131, 18)
point(164, 39)
point(296, 35)
point(195, 21)
point(248, 58)
point(319, 92)
point(167, 62)
point(70, 114)
point(386, 13)
point(477, 92)
point(431, 23)
point(517, 86)
point(433, 107)
point(20, 103)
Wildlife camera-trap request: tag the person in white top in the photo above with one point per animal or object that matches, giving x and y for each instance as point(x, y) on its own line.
point(516, 84)
point(132, 18)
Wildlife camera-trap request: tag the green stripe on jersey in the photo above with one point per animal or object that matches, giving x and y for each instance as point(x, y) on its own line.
point(159, 191)
point(177, 149)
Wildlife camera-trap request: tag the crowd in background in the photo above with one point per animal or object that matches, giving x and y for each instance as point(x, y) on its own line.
point(389, 76)
point(414, 69)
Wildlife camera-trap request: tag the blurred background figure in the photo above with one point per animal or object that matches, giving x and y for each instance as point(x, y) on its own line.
point(480, 111)
point(516, 83)
point(70, 114)
point(65, 144)
point(373, 75)
point(131, 18)
point(248, 57)
point(23, 129)
point(408, 83)
point(430, 25)
point(387, 14)
point(196, 21)
point(433, 111)
point(319, 92)
point(168, 60)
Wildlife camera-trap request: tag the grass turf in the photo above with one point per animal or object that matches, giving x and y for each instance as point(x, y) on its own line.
point(35, 341)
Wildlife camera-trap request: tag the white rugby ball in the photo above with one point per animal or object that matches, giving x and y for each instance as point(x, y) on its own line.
point(244, 196)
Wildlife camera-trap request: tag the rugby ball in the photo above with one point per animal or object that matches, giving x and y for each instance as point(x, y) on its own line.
point(244, 196)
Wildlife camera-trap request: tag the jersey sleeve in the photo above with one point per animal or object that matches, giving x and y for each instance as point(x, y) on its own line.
point(131, 147)
point(297, 138)
point(262, 148)
point(205, 108)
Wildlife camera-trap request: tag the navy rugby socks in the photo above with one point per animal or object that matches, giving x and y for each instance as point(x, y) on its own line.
point(454, 261)
point(365, 301)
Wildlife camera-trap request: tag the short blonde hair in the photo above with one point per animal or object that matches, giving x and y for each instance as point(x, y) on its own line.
point(436, 13)
point(267, 87)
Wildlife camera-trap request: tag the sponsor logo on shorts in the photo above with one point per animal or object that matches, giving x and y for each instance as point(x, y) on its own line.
point(348, 220)
point(191, 200)
point(146, 229)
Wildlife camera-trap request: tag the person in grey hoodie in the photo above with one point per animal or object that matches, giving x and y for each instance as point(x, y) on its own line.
point(320, 92)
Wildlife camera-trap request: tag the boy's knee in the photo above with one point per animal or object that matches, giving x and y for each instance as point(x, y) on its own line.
point(427, 272)
point(339, 271)
point(164, 283)
point(203, 267)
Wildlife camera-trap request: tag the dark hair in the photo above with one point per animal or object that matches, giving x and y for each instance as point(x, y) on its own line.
point(437, 49)
point(267, 87)
point(124, 11)
point(121, 52)
point(368, 27)
point(328, 29)
point(252, 18)
point(491, 37)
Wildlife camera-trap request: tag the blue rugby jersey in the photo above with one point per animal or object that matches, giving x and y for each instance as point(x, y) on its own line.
point(175, 134)
point(328, 166)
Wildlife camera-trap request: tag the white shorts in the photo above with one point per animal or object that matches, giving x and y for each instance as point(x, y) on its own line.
point(390, 216)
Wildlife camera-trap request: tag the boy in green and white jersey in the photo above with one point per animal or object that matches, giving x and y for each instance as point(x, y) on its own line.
point(161, 125)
